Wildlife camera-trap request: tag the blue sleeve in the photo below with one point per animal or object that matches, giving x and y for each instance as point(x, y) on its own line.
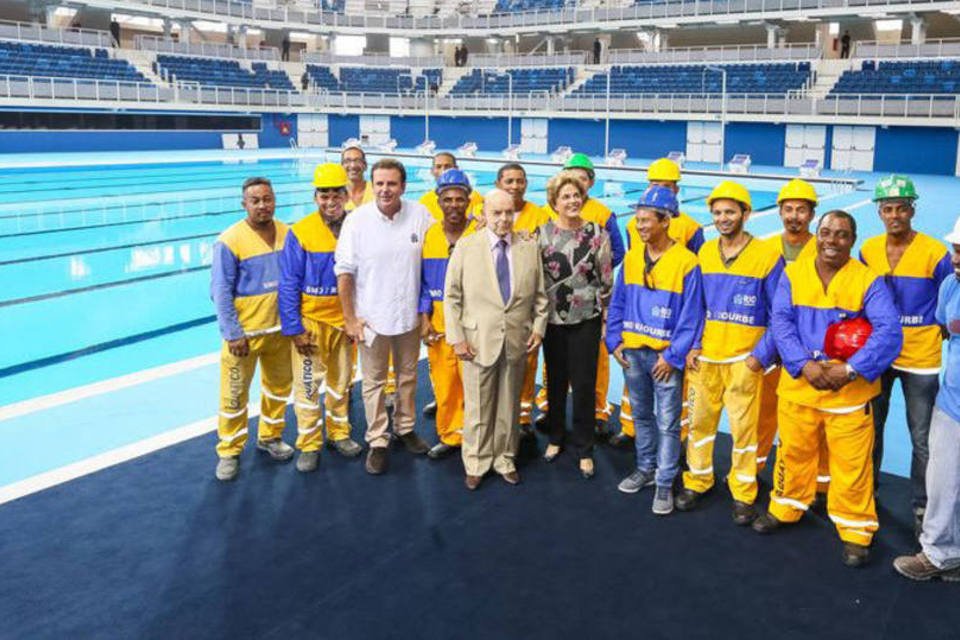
point(615, 314)
point(292, 267)
point(223, 282)
point(946, 290)
point(886, 339)
point(786, 336)
point(943, 269)
point(689, 321)
point(766, 350)
point(616, 240)
point(424, 303)
point(696, 241)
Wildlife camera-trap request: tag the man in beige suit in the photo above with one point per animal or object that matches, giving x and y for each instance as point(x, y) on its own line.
point(496, 313)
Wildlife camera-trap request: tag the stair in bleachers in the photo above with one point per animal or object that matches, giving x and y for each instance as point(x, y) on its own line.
point(142, 61)
point(525, 81)
point(220, 72)
point(322, 78)
point(27, 59)
point(827, 72)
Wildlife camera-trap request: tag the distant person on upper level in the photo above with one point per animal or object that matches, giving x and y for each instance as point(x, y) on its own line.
point(285, 48)
point(115, 32)
point(597, 50)
point(305, 81)
point(845, 45)
point(457, 56)
point(463, 55)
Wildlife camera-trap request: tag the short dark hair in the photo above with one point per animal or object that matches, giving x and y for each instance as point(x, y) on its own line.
point(840, 213)
point(363, 154)
point(390, 163)
point(445, 153)
point(661, 214)
point(254, 181)
point(510, 166)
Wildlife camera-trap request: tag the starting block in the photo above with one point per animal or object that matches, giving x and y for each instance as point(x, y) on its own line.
point(739, 163)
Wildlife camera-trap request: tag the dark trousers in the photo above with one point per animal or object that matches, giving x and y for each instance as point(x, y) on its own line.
point(571, 353)
point(919, 393)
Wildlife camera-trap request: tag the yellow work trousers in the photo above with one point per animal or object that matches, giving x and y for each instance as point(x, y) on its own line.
point(767, 430)
point(602, 406)
point(528, 391)
point(272, 351)
point(734, 387)
point(626, 411)
point(331, 367)
point(446, 376)
point(849, 439)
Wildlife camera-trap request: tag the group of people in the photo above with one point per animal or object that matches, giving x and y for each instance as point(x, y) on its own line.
point(788, 334)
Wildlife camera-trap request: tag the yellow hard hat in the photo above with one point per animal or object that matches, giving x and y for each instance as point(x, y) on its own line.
point(663, 170)
point(732, 191)
point(330, 176)
point(798, 189)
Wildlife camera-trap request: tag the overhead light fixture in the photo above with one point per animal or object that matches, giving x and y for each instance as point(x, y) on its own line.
point(727, 21)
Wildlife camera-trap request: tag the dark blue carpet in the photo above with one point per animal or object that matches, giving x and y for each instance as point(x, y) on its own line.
point(157, 548)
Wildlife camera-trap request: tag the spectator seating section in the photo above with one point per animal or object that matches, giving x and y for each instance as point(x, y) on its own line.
point(769, 78)
point(902, 77)
point(332, 6)
point(221, 73)
point(321, 78)
point(513, 6)
point(373, 79)
point(429, 77)
point(275, 79)
point(489, 82)
point(25, 59)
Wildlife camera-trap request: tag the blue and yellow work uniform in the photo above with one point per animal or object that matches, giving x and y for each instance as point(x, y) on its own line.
point(597, 212)
point(244, 277)
point(737, 298)
point(432, 203)
point(308, 303)
point(802, 311)
point(367, 197)
point(688, 232)
point(445, 372)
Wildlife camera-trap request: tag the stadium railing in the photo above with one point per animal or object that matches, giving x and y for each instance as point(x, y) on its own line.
point(571, 59)
point(51, 35)
point(370, 60)
point(205, 49)
point(725, 53)
point(942, 48)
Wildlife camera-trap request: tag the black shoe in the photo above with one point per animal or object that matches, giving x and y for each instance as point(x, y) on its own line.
point(414, 443)
point(540, 422)
point(622, 441)
point(855, 555)
point(819, 505)
point(743, 513)
point(687, 499)
point(376, 460)
point(440, 450)
point(766, 523)
point(526, 431)
point(602, 433)
point(430, 410)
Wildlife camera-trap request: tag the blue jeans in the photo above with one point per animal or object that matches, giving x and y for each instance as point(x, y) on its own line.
point(656, 415)
point(919, 394)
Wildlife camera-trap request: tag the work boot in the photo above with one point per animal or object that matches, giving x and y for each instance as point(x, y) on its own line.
point(430, 410)
point(347, 447)
point(918, 567)
point(855, 555)
point(228, 468)
point(376, 460)
point(414, 443)
point(687, 499)
point(766, 523)
point(276, 448)
point(308, 461)
point(743, 513)
point(622, 441)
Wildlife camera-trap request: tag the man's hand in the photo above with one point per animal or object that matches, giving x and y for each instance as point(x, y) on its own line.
point(464, 351)
point(239, 347)
point(303, 343)
point(353, 327)
point(836, 375)
point(427, 334)
point(754, 365)
point(814, 373)
point(661, 369)
point(533, 342)
point(618, 356)
point(693, 359)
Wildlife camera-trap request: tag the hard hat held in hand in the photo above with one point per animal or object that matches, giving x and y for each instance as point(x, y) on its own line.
point(846, 337)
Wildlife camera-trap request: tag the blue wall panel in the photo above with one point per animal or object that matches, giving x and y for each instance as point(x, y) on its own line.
point(582, 135)
point(916, 150)
point(646, 138)
point(828, 148)
point(342, 127)
point(270, 135)
point(762, 141)
point(408, 131)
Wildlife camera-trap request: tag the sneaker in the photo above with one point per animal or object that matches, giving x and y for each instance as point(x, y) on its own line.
point(855, 555)
point(227, 469)
point(743, 513)
point(276, 448)
point(622, 441)
point(376, 460)
point(766, 523)
point(636, 481)
point(308, 461)
point(663, 501)
point(430, 410)
point(687, 499)
point(414, 443)
point(347, 447)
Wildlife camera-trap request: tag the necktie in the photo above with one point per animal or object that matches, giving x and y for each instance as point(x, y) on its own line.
point(503, 271)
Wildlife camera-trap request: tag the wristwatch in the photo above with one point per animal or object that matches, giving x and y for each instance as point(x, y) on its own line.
point(851, 373)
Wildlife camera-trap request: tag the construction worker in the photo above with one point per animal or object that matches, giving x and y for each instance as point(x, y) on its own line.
point(244, 277)
point(683, 229)
point(359, 190)
point(830, 395)
point(443, 162)
point(580, 165)
point(725, 366)
point(914, 266)
point(453, 194)
point(512, 178)
point(310, 314)
point(654, 318)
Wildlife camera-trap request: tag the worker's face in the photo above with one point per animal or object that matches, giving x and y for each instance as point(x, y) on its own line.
point(835, 238)
point(584, 177)
point(896, 214)
point(796, 215)
point(669, 184)
point(514, 182)
point(498, 213)
point(650, 226)
point(354, 163)
point(259, 203)
point(955, 260)
point(728, 217)
point(569, 201)
point(388, 186)
point(330, 203)
point(453, 202)
point(441, 163)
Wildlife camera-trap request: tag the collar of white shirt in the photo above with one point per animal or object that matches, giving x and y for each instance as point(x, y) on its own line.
point(396, 216)
point(494, 239)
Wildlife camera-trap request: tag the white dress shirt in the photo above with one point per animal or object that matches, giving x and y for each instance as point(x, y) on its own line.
point(383, 255)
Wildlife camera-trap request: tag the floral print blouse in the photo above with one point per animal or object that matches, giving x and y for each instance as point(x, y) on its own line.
point(578, 271)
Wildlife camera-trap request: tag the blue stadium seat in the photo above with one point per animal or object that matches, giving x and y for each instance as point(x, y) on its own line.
point(41, 60)
point(759, 78)
point(900, 78)
point(525, 81)
point(222, 73)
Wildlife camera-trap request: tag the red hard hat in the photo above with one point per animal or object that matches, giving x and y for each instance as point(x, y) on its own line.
point(846, 337)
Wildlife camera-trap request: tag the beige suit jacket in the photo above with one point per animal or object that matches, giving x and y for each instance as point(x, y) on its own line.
point(473, 307)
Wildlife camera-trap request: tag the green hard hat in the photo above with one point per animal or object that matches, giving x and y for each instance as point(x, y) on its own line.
point(895, 186)
point(579, 161)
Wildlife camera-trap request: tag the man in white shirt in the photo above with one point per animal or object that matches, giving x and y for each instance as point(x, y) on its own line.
point(378, 281)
